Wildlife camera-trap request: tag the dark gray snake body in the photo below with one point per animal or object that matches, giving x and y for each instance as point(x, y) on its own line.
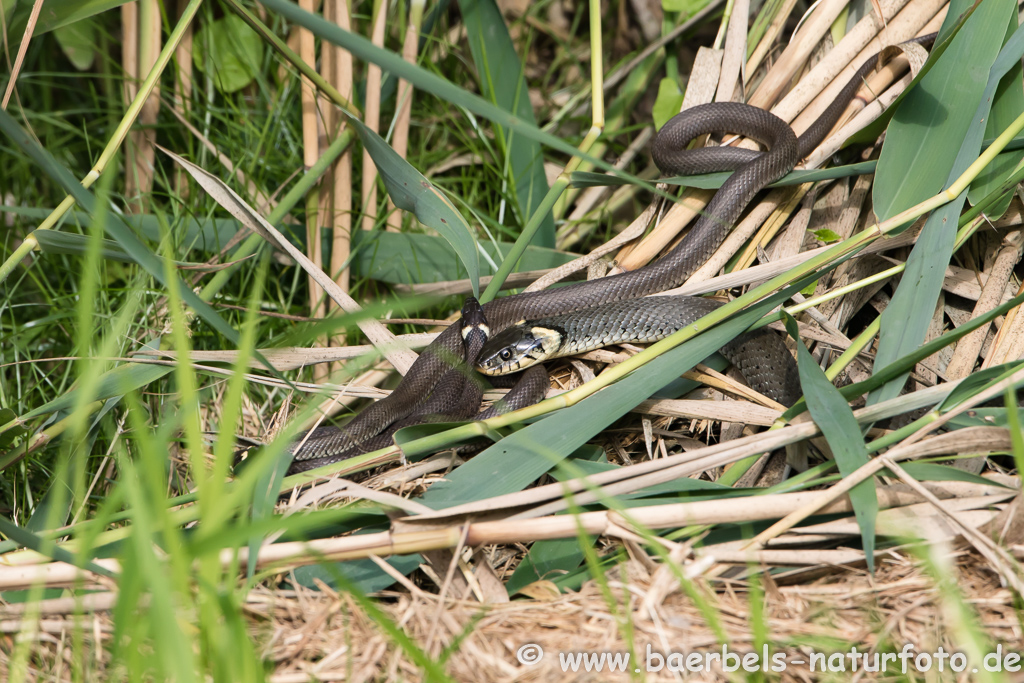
point(423, 384)
point(755, 354)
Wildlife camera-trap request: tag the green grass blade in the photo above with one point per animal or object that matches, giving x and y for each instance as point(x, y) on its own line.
point(502, 82)
point(410, 191)
point(916, 159)
point(1009, 102)
point(117, 228)
point(111, 383)
point(28, 539)
point(834, 417)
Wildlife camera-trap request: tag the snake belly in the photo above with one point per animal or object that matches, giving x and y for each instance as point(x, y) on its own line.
point(752, 171)
point(761, 355)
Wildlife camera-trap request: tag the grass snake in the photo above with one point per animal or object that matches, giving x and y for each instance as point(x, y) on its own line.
point(438, 383)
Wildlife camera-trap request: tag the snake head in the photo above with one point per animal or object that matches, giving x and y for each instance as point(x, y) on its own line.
point(517, 348)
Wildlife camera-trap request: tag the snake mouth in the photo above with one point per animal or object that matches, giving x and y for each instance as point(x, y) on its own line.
point(517, 348)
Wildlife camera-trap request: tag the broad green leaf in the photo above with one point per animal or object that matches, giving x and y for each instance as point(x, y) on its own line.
point(29, 539)
point(921, 161)
point(54, 14)
point(834, 417)
point(1009, 103)
point(924, 137)
point(78, 42)
point(364, 574)
point(546, 560)
point(410, 191)
point(825, 235)
point(933, 471)
point(668, 102)
point(408, 258)
point(501, 81)
point(975, 382)
point(229, 51)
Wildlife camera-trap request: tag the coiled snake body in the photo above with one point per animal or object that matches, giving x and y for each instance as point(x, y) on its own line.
point(430, 383)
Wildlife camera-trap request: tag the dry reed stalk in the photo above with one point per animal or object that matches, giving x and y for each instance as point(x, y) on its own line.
point(796, 53)
point(742, 233)
point(728, 411)
point(403, 114)
point(26, 38)
point(916, 19)
point(729, 386)
point(765, 271)
point(775, 558)
point(549, 498)
point(686, 208)
point(634, 230)
point(965, 355)
point(407, 538)
point(130, 48)
point(310, 153)
point(864, 116)
point(402, 358)
point(768, 40)
point(911, 58)
point(341, 218)
point(839, 65)
point(1009, 341)
point(464, 286)
point(729, 81)
point(772, 227)
point(140, 23)
point(371, 116)
point(182, 102)
point(592, 196)
point(700, 90)
point(999, 558)
point(909, 448)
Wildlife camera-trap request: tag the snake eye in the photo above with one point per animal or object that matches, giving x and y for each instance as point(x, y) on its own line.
point(505, 354)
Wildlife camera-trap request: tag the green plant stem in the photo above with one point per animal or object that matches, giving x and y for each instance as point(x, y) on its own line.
point(24, 249)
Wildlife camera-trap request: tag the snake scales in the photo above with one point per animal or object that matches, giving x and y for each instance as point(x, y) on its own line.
point(435, 384)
